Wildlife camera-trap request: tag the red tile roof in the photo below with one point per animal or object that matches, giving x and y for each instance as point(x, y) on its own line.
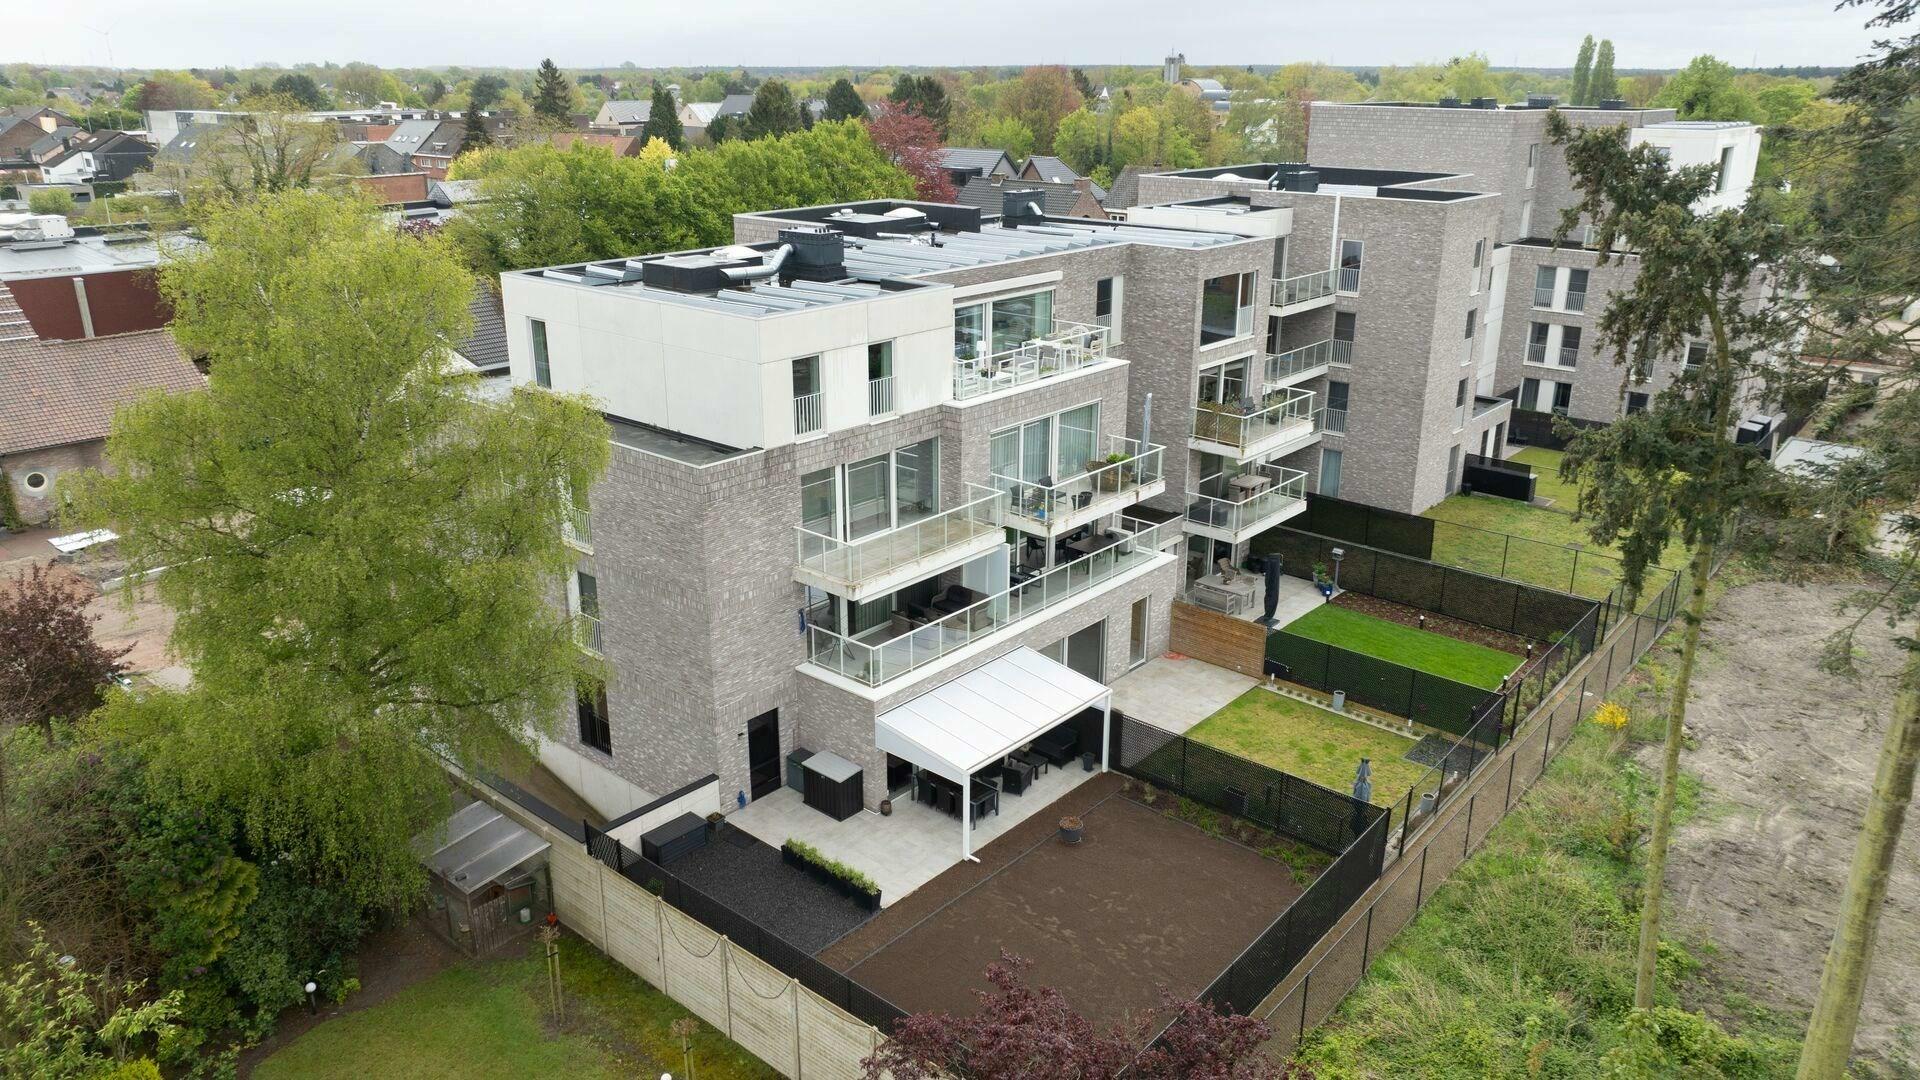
point(393, 189)
point(54, 393)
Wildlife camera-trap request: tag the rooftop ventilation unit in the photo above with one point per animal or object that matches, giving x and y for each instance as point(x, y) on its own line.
point(1542, 101)
point(1026, 205)
point(1486, 103)
point(692, 273)
point(818, 252)
point(1613, 103)
point(1449, 102)
point(1294, 178)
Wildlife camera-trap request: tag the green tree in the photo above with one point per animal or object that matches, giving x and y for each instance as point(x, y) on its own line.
point(663, 120)
point(473, 133)
point(485, 92)
point(1006, 133)
point(1081, 140)
point(361, 554)
point(773, 112)
point(925, 95)
point(301, 88)
point(843, 102)
point(275, 147)
point(1707, 90)
point(1781, 102)
point(553, 96)
point(1039, 99)
point(1673, 470)
point(1583, 72)
point(172, 90)
point(1136, 138)
point(55, 1023)
point(1605, 85)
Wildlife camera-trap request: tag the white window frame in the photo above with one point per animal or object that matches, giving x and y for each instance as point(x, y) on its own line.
point(540, 348)
point(1116, 316)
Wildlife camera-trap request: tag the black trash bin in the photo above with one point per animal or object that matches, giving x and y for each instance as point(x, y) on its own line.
point(1089, 761)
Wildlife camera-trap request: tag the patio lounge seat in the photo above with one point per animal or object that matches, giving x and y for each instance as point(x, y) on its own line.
point(955, 599)
point(1059, 745)
point(1015, 776)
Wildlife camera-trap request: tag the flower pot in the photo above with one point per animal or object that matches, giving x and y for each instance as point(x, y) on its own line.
point(886, 807)
point(1071, 828)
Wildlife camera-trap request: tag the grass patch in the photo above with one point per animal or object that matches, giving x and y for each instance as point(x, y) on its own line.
point(490, 1018)
point(1310, 743)
point(1435, 654)
point(1548, 548)
point(1545, 464)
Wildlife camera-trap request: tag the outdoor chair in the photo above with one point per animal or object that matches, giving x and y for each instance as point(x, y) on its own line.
point(1059, 745)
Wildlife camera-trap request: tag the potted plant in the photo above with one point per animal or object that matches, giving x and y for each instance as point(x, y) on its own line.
point(1113, 471)
point(1321, 581)
point(1070, 829)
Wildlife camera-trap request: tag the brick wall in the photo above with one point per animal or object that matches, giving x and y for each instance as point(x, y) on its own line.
point(57, 464)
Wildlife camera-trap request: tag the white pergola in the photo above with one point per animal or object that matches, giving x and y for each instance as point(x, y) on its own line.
point(960, 727)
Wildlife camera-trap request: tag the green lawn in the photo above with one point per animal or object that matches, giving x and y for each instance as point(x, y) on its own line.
point(1311, 743)
point(489, 1019)
point(1547, 483)
point(1548, 548)
point(1436, 654)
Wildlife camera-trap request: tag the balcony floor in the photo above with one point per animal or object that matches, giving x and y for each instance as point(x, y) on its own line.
point(1289, 440)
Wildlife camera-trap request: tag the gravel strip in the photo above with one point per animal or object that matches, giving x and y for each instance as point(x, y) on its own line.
point(754, 881)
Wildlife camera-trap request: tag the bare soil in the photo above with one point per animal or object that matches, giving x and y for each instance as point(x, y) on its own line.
point(1787, 757)
point(145, 625)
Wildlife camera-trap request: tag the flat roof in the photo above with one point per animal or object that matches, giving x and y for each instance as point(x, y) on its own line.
point(932, 253)
point(81, 254)
point(1698, 125)
point(755, 299)
point(1334, 180)
point(686, 449)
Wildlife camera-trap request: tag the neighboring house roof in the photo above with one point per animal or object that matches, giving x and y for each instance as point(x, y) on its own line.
point(395, 188)
point(1126, 187)
point(381, 159)
point(182, 146)
point(735, 105)
point(453, 192)
point(703, 112)
point(445, 140)
point(486, 349)
point(1057, 199)
point(410, 135)
point(55, 393)
point(621, 145)
point(1046, 167)
point(50, 144)
point(1808, 457)
point(621, 113)
point(974, 159)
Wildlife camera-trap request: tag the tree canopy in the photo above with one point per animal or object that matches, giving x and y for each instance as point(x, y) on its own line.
point(554, 97)
point(773, 112)
point(1706, 89)
point(844, 103)
point(663, 120)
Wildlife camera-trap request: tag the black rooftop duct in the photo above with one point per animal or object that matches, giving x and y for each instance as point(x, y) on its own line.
point(818, 252)
point(1613, 103)
point(1026, 206)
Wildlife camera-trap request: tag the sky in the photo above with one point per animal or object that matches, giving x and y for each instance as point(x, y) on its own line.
point(650, 33)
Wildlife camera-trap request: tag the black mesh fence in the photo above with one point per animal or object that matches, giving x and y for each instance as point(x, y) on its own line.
point(1439, 703)
point(1359, 523)
point(1272, 956)
point(1267, 797)
point(795, 962)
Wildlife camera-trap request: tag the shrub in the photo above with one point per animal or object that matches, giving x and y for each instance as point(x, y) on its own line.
point(807, 853)
point(56, 201)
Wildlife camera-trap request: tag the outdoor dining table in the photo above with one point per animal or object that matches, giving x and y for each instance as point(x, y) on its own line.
point(986, 799)
point(1034, 761)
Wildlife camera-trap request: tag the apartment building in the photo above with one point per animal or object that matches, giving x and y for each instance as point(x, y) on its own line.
point(864, 451)
point(1376, 307)
point(1545, 298)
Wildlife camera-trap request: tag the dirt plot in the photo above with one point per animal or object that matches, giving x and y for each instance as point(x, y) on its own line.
point(1143, 901)
point(1787, 755)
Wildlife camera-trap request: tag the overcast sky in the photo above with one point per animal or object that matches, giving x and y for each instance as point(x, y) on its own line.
point(587, 33)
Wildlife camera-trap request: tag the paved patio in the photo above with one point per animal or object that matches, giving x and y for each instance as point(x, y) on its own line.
point(1177, 692)
point(907, 849)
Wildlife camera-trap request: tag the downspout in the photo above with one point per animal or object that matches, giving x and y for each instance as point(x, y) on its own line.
point(1333, 244)
point(86, 310)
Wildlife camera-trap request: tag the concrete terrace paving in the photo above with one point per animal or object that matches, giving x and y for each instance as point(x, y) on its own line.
point(906, 849)
point(1177, 692)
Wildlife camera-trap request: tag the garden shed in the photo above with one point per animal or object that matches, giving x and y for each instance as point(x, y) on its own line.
point(487, 879)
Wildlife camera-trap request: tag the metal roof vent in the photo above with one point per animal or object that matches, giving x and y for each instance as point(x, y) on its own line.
point(1542, 101)
point(1612, 103)
point(1026, 205)
point(818, 252)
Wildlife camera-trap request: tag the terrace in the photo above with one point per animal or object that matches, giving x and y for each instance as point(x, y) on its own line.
point(1066, 348)
point(1304, 292)
point(881, 562)
point(1233, 506)
point(1124, 473)
point(1279, 423)
point(1306, 362)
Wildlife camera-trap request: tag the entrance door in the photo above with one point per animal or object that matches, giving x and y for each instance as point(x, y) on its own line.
point(1137, 641)
point(763, 754)
point(1086, 651)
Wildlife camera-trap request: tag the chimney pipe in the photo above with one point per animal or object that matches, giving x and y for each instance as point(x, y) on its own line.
point(86, 310)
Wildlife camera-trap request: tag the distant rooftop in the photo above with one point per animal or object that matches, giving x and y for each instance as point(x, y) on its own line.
point(88, 251)
point(997, 243)
point(775, 295)
point(1537, 103)
point(1308, 179)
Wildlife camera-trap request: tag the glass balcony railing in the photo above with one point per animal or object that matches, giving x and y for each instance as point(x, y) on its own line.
point(1068, 347)
point(1289, 364)
point(1301, 288)
point(1236, 502)
point(876, 661)
point(1249, 423)
point(848, 563)
point(1116, 476)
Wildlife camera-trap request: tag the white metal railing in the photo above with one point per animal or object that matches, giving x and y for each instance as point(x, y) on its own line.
point(1301, 288)
point(880, 396)
point(1576, 299)
point(1067, 347)
point(806, 413)
point(586, 632)
point(1569, 356)
point(1543, 298)
point(876, 661)
point(1289, 364)
point(1334, 421)
point(577, 527)
point(1459, 417)
point(1121, 471)
point(853, 561)
point(1215, 502)
point(1349, 279)
point(1228, 425)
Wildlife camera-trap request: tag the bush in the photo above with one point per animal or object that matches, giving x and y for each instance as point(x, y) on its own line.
point(807, 853)
point(56, 201)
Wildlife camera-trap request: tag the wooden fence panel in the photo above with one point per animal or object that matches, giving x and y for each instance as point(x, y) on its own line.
point(696, 967)
point(1220, 640)
point(832, 1044)
point(633, 927)
point(761, 998)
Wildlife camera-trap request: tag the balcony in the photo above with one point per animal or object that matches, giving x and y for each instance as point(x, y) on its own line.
point(806, 413)
point(880, 396)
point(1067, 348)
point(586, 632)
point(1348, 280)
point(1280, 423)
point(1124, 475)
point(1333, 421)
point(576, 528)
point(879, 563)
point(877, 661)
point(1483, 405)
point(1306, 362)
point(1234, 506)
point(1304, 292)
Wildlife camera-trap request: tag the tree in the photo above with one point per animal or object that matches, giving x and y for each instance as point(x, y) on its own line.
point(1039, 99)
point(1136, 139)
point(1020, 1031)
point(1706, 90)
point(553, 96)
point(361, 554)
point(299, 88)
point(1081, 140)
point(1673, 469)
point(1583, 72)
point(722, 128)
point(52, 201)
point(56, 1023)
point(909, 141)
point(485, 92)
point(1604, 86)
point(663, 120)
point(473, 133)
point(433, 90)
point(925, 95)
point(1084, 85)
point(273, 148)
point(172, 90)
point(1006, 133)
point(773, 112)
point(50, 665)
point(843, 102)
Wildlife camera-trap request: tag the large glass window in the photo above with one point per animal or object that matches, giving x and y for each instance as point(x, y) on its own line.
point(1576, 290)
point(1226, 307)
point(1225, 382)
point(1544, 279)
point(1019, 319)
point(869, 502)
point(1537, 342)
point(1337, 395)
point(969, 331)
point(594, 729)
point(542, 370)
point(820, 502)
point(1329, 472)
point(1108, 297)
point(1344, 325)
point(1350, 256)
point(916, 481)
point(1079, 435)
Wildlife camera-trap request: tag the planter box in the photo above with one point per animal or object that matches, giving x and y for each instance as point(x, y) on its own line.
point(869, 901)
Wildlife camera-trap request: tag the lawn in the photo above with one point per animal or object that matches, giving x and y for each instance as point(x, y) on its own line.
point(1547, 484)
point(489, 1019)
point(1311, 743)
point(1435, 654)
point(1548, 548)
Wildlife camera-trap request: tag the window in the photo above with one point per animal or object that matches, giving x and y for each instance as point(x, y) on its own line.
point(1530, 394)
point(1562, 397)
point(1537, 334)
point(1545, 279)
point(1344, 325)
point(880, 378)
point(1351, 252)
point(1013, 321)
point(883, 492)
point(1224, 382)
point(1330, 472)
point(1453, 469)
point(1279, 258)
point(1109, 294)
point(594, 729)
point(1576, 290)
point(969, 331)
point(1569, 346)
point(1048, 449)
point(1526, 217)
point(1472, 315)
point(1460, 405)
point(1636, 402)
point(820, 502)
point(1696, 353)
point(807, 416)
point(1337, 394)
point(1541, 395)
point(1725, 179)
point(1479, 255)
point(588, 588)
point(542, 372)
point(36, 481)
point(1226, 307)
point(1533, 162)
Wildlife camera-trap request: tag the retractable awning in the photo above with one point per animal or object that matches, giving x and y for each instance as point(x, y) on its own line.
point(960, 727)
